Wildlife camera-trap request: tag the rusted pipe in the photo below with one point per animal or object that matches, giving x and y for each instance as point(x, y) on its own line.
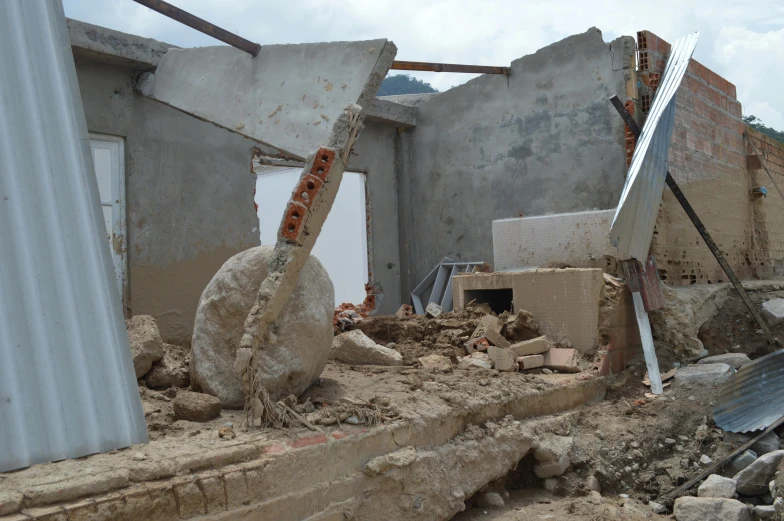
point(449, 67)
point(203, 26)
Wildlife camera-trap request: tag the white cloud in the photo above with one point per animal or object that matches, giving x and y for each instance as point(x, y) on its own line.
point(742, 41)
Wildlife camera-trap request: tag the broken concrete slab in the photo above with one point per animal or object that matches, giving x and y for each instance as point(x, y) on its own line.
point(710, 509)
point(487, 322)
point(529, 361)
point(735, 360)
point(433, 310)
point(303, 334)
point(480, 360)
point(562, 359)
point(354, 347)
point(196, 407)
point(503, 358)
point(717, 486)
point(287, 97)
point(773, 311)
point(708, 374)
point(146, 343)
point(496, 339)
point(535, 346)
point(754, 479)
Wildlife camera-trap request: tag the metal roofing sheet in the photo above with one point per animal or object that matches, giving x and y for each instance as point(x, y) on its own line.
point(632, 227)
point(67, 385)
point(753, 398)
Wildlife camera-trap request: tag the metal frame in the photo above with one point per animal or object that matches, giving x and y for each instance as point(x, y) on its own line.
point(440, 278)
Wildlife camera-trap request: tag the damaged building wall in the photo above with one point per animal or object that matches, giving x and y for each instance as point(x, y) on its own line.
point(188, 184)
point(707, 159)
point(768, 211)
point(543, 140)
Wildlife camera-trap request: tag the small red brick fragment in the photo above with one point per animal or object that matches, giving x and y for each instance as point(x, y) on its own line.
point(307, 441)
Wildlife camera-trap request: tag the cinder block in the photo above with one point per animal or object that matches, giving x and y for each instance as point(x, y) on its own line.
point(562, 359)
point(495, 338)
point(405, 311)
point(535, 346)
point(476, 344)
point(529, 361)
point(503, 359)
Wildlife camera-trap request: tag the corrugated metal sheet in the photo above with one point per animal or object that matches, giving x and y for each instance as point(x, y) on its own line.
point(67, 386)
point(753, 398)
point(632, 227)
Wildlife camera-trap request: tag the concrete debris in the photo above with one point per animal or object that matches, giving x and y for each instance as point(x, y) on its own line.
point(433, 310)
point(521, 326)
point(487, 323)
point(562, 359)
point(394, 460)
point(773, 311)
point(549, 469)
point(477, 344)
point(710, 509)
point(346, 318)
point(478, 359)
point(552, 456)
point(437, 362)
point(173, 370)
point(146, 343)
point(705, 460)
point(404, 311)
point(743, 460)
point(734, 360)
point(196, 407)
point(657, 508)
point(354, 347)
point(529, 362)
point(302, 335)
point(535, 346)
point(706, 374)
point(503, 359)
point(717, 486)
point(496, 339)
point(754, 479)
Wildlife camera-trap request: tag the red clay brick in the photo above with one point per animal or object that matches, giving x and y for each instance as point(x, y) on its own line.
point(307, 441)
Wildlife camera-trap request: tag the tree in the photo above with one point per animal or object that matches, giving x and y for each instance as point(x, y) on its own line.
point(403, 84)
point(757, 124)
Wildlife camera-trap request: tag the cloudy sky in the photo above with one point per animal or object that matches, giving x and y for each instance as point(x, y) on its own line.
point(743, 41)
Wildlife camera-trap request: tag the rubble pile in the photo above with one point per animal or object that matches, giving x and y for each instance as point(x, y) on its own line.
point(157, 364)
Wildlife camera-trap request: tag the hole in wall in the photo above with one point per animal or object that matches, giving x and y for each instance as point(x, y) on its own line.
point(499, 300)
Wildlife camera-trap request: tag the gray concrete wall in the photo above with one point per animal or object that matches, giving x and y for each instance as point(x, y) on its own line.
point(544, 140)
point(189, 192)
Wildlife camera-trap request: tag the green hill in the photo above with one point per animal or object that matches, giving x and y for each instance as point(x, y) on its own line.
point(403, 84)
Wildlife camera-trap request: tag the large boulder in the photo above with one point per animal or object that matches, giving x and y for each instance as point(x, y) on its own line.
point(754, 479)
point(717, 486)
point(689, 508)
point(145, 341)
point(303, 331)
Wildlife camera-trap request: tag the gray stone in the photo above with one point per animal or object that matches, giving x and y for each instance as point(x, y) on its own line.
point(705, 460)
point(490, 500)
point(765, 511)
point(710, 509)
point(768, 443)
point(717, 486)
point(146, 343)
point(196, 407)
point(735, 360)
point(743, 460)
point(773, 311)
point(705, 374)
point(754, 479)
point(480, 360)
point(173, 370)
point(595, 497)
point(354, 347)
point(657, 508)
point(553, 468)
point(433, 310)
point(302, 336)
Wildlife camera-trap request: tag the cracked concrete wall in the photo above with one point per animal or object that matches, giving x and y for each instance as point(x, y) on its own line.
point(544, 140)
point(189, 194)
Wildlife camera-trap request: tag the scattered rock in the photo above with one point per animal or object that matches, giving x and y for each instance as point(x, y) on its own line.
point(535, 346)
point(710, 509)
point(138, 456)
point(551, 485)
point(552, 468)
point(765, 511)
point(146, 343)
point(303, 330)
point(503, 358)
point(768, 443)
point(354, 347)
point(734, 360)
point(433, 310)
point(562, 359)
point(705, 460)
point(705, 374)
point(595, 497)
point(717, 486)
point(196, 407)
point(592, 483)
point(552, 456)
point(754, 479)
point(669, 441)
point(437, 362)
point(521, 326)
point(490, 500)
point(773, 310)
point(743, 460)
point(657, 508)
point(481, 360)
point(227, 432)
point(173, 370)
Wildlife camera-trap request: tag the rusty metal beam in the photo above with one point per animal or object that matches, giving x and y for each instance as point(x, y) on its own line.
point(203, 26)
point(449, 67)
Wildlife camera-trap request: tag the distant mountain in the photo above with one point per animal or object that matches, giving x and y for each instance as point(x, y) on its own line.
point(403, 84)
point(755, 123)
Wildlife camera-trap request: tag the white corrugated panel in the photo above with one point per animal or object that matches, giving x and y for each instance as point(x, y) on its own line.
point(67, 385)
point(632, 227)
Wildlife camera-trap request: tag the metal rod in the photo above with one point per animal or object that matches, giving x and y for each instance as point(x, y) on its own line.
point(676, 190)
point(449, 67)
point(184, 17)
point(748, 139)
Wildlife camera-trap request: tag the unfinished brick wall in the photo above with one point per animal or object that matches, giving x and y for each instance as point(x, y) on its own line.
point(767, 211)
point(707, 159)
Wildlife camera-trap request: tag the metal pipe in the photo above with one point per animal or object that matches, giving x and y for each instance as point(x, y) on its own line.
point(449, 67)
point(184, 17)
point(681, 197)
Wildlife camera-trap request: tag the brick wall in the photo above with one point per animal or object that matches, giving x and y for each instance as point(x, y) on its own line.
point(707, 159)
point(768, 211)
